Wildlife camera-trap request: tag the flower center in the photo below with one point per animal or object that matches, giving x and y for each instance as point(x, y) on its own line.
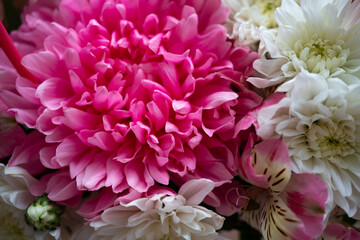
point(10, 227)
point(321, 56)
point(330, 139)
point(267, 9)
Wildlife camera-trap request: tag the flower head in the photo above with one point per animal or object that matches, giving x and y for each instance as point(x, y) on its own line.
point(316, 36)
point(162, 216)
point(320, 126)
point(289, 205)
point(130, 89)
point(248, 17)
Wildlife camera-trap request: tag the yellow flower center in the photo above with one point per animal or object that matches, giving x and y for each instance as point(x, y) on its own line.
point(321, 56)
point(267, 8)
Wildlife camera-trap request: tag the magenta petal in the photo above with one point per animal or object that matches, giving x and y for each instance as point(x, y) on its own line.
point(27, 89)
point(60, 187)
point(53, 92)
point(43, 65)
point(79, 163)
point(84, 120)
point(103, 140)
point(95, 173)
point(115, 175)
point(69, 149)
point(47, 157)
point(157, 171)
point(138, 176)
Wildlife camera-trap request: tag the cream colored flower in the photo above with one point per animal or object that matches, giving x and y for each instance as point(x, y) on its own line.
point(248, 16)
point(320, 37)
point(321, 127)
point(161, 217)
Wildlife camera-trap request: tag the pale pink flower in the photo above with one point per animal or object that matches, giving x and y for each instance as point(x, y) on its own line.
point(289, 205)
point(131, 91)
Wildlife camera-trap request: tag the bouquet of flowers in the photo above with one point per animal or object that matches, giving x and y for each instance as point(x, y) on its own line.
point(180, 119)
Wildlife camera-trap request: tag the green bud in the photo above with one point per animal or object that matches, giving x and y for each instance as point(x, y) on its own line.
point(43, 214)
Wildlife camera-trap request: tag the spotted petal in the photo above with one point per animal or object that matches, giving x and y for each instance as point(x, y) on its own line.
point(295, 213)
point(275, 220)
point(267, 165)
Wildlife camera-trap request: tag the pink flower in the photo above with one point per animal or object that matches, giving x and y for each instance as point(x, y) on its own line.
point(132, 91)
point(290, 206)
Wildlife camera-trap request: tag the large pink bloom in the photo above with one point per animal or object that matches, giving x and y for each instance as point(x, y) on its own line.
point(132, 90)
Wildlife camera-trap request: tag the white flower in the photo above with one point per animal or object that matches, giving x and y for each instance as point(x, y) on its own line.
point(316, 36)
point(247, 16)
point(14, 199)
point(161, 217)
point(321, 127)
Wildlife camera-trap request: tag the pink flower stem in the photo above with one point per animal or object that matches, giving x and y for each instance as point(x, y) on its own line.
point(13, 54)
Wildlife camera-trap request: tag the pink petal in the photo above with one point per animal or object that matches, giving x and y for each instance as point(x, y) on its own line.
point(138, 176)
point(306, 197)
point(53, 92)
point(196, 190)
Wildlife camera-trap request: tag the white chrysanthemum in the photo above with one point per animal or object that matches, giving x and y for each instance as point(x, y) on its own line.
point(247, 17)
point(162, 217)
point(316, 36)
point(14, 200)
point(321, 127)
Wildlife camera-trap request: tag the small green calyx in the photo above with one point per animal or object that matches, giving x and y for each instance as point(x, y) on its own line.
point(43, 214)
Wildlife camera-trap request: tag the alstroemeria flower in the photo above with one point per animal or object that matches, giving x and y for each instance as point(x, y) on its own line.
point(130, 91)
point(290, 205)
point(248, 17)
point(316, 36)
point(321, 128)
point(162, 216)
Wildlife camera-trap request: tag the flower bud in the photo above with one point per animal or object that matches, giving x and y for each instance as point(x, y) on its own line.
point(43, 214)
